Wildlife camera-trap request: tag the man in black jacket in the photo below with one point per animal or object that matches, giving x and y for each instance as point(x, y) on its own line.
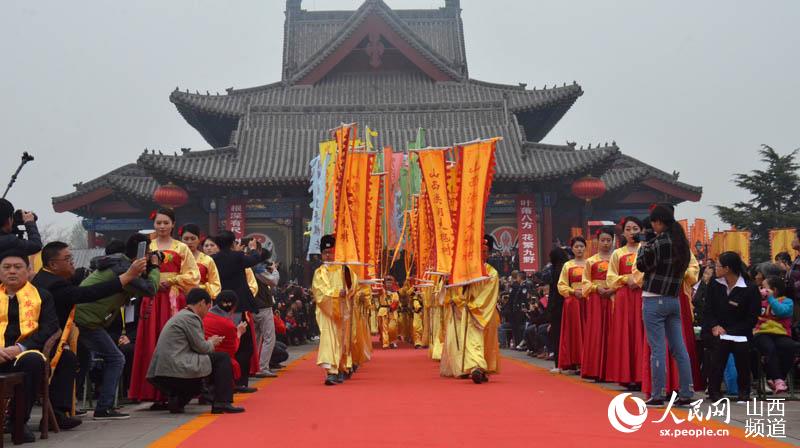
point(30, 319)
point(9, 240)
point(231, 263)
point(55, 278)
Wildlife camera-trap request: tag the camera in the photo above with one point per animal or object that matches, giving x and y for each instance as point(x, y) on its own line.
point(18, 221)
point(645, 236)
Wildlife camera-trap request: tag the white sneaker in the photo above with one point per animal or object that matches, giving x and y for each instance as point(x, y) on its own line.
point(555, 370)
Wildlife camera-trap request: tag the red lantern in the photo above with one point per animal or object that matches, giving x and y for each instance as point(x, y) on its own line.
point(170, 195)
point(589, 188)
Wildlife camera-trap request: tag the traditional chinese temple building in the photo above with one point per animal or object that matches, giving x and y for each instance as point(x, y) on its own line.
point(395, 71)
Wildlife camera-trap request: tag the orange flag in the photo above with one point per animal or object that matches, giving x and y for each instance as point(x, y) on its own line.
point(434, 175)
point(685, 224)
point(424, 235)
point(373, 229)
point(780, 240)
point(346, 248)
point(475, 171)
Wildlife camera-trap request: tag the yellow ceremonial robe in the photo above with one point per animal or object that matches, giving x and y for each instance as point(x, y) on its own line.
point(436, 318)
point(387, 318)
point(418, 309)
point(362, 339)
point(472, 320)
point(326, 286)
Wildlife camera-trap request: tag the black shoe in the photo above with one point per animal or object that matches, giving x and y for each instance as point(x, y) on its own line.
point(276, 366)
point(80, 413)
point(159, 406)
point(340, 378)
point(477, 376)
point(655, 402)
point(110, 414)
point(244, 390)
point(355, 368)
point(417, 346)
point(66, 422)
point(684, 402)
point(27, 434)
point(348, 374)
point(331, 380)
point(225, 408)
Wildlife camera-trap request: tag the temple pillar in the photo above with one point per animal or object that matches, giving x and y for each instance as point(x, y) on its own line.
point(547, 226)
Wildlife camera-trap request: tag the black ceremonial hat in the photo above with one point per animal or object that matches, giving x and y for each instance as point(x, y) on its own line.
point(327, 242)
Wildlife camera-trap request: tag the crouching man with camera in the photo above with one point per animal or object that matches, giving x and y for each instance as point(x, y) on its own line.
point(10, 237)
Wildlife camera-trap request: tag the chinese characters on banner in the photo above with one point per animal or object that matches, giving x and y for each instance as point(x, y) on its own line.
point(527, 242)
point(236, 218)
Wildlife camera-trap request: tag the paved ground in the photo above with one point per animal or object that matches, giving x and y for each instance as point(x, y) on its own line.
point(738, 411)
point(143, 428)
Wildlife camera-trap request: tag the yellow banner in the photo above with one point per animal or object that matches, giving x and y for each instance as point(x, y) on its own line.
point(475, 173)
point(738, 241)
point(434, 175)
point(717, 245)
point(780, 240)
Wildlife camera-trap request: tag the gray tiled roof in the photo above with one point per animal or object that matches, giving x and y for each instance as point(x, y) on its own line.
point(129, 179)
point(436, 33)
point(627, 170)
point(354, 90)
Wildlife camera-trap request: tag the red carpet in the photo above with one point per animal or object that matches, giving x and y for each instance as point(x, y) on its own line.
point(399, 400)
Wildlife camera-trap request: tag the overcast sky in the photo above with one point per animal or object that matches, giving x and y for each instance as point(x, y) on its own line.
point(692, 86)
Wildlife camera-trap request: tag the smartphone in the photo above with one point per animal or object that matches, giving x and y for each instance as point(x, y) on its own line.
point(141, 251)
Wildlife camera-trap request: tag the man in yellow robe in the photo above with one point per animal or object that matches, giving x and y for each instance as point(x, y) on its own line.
point(471, 344)
point(436, 319)
point(331, 292)
point(418, 310)
point(388, 301)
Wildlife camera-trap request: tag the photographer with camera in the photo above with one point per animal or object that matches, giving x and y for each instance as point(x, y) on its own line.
point(664, 258)
point(11, 238)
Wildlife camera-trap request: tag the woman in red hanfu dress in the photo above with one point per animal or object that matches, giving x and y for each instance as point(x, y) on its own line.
point(598, 308)
point(626, 338)
point(672, 383)
point(570, 286)
point(179, 274)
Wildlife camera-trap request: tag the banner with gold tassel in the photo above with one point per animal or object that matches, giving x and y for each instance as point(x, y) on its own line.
point(434, 176)
point(476, 170)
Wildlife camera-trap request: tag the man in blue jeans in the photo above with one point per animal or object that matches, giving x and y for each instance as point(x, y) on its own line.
point(663, 258)
point(94, 318)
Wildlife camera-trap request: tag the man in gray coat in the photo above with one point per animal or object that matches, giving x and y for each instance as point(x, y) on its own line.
point(184, 358)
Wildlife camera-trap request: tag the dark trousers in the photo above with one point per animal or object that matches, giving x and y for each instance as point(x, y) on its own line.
point(184, 389)
point(243, 356)
point(518, 331)
point(32, 365)
point(721, 349)
point(279, 354)
point(779, 351)
point(127, 351)
point(555, 338)
point(62, 383)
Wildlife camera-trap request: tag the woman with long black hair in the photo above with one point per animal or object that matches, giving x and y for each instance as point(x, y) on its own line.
point(733, 304)
point(555, 302)
point(663, 259)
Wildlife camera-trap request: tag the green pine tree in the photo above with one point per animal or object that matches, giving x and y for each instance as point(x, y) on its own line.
point(774, 202)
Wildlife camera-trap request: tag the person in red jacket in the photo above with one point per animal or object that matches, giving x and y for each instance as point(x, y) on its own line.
point(219, 322)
